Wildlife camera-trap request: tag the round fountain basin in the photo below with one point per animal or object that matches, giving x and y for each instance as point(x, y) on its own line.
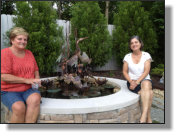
point(120, 107)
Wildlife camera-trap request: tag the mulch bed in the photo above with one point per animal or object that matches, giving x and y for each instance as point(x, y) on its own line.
point(118, 74)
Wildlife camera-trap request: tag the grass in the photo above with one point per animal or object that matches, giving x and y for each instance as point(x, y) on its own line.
point(155, 122)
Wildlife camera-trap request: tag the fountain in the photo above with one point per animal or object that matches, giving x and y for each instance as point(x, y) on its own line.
point(121, 106)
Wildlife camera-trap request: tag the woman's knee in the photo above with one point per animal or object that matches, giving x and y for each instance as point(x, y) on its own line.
point(146, 85)
point(151, 93)
point(34, 99)
point(19, 108)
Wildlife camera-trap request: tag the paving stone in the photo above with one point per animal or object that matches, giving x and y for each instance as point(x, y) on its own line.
point(61, 117)
point(78, 118)
point(102, 115)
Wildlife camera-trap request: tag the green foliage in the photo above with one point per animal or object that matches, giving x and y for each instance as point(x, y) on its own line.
point(7, 7)
point(91, 23)
point(64, 9)
point(46, 38)
point(155, 122)
point(157, 15)
point(111, 73)
point(112, 9)
point(159, 70)
point(131, 19)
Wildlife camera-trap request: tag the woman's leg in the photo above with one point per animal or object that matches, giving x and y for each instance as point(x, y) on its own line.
point(15, 102)
point(149, 120)
point(146, 99)
point(18, 112)
point(33, 108)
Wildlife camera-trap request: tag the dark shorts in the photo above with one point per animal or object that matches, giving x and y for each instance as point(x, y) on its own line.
point(138, 87)
point(9, 98)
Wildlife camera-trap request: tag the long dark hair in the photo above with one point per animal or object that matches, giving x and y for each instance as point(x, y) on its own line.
point(139, 39)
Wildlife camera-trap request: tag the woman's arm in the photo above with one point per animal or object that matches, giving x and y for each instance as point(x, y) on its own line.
point(14, 79)
point(125, 72)
point(37, 75)
point(127, 77)
point(147, 66)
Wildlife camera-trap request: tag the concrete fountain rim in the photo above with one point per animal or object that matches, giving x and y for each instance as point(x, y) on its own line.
point(118, 100)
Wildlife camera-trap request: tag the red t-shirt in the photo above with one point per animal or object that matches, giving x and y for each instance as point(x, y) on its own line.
point(21, 67)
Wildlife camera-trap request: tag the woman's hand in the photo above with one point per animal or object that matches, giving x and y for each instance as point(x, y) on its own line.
point(133, 84)
point(33, 81)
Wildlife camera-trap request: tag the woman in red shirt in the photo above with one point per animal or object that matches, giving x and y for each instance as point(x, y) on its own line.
point(19, 71)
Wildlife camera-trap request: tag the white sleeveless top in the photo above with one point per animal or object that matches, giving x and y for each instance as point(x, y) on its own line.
point(136, 70)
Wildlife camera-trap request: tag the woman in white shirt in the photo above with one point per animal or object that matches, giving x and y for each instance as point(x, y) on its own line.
point(136, 70)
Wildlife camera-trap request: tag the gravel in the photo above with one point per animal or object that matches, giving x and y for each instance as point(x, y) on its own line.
point(157, 110)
